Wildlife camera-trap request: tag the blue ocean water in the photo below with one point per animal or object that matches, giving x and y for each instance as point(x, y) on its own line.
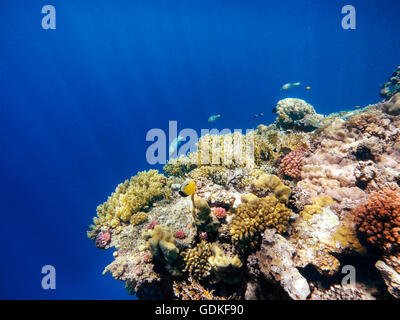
point(76, 104)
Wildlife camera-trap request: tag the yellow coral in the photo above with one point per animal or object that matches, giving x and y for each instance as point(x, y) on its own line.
point(318, 203)
point(138, 218)
point(225, 268)
point(254, 215)
point(275, 185)
point(130, 197)
point(161, 242)
point(196, 260)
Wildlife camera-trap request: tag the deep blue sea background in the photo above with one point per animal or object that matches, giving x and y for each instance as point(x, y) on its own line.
point(76, 104)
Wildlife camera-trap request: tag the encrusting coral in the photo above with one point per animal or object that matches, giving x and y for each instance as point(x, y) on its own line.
point(275, 185)
point(378, 220)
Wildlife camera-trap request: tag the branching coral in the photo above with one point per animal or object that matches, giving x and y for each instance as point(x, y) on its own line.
point(254, 215)
point(161, 242)
point(275, 185)
point(196, 260)
point(130, 197)
point(292, 164)
point(378, 220)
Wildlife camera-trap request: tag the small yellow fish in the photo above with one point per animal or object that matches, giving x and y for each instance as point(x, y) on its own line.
point(188, 188)
point(358, 107)
point(308, 88)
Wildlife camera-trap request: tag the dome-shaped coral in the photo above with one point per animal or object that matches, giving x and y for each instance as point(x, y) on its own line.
point(378, 220)
point(292, 164)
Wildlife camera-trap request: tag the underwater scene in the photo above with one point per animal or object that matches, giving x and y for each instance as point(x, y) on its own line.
point(212, 150)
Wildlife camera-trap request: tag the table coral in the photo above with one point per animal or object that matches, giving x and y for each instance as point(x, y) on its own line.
point(378, 220)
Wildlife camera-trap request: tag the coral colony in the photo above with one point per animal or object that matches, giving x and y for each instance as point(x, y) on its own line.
point(320, 194)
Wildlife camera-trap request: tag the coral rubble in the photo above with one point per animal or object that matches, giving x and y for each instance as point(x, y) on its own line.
point(309, 196)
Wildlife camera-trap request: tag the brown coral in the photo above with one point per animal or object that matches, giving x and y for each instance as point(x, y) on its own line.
point(378, 220)
point(292, 164)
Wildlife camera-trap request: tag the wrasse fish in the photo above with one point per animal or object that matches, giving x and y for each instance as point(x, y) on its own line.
point(288, 86)
point(175, 144)
point(214, 117)
point(308, 88)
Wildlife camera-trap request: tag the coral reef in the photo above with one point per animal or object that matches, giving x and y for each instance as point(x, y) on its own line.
point(307, 196)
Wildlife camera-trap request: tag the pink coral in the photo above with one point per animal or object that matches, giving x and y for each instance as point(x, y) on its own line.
point(220, 212)
point(180, 234)
point(292, 164)
point(103, 238)
point(152, 224)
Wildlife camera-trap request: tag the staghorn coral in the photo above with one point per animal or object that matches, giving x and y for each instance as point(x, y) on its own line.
point(161, 242)
point(297, 114)
point(196, 260)
point(274, 184)
point(254, 215)
point(292, 164)
point(130, 197)
point(378, 220)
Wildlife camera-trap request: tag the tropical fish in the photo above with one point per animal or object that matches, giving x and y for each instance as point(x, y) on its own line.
point(358, 107)
point(292, 85)
point(187, 188)
point(175, 144)
point(214, 117)
point(308, 88)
